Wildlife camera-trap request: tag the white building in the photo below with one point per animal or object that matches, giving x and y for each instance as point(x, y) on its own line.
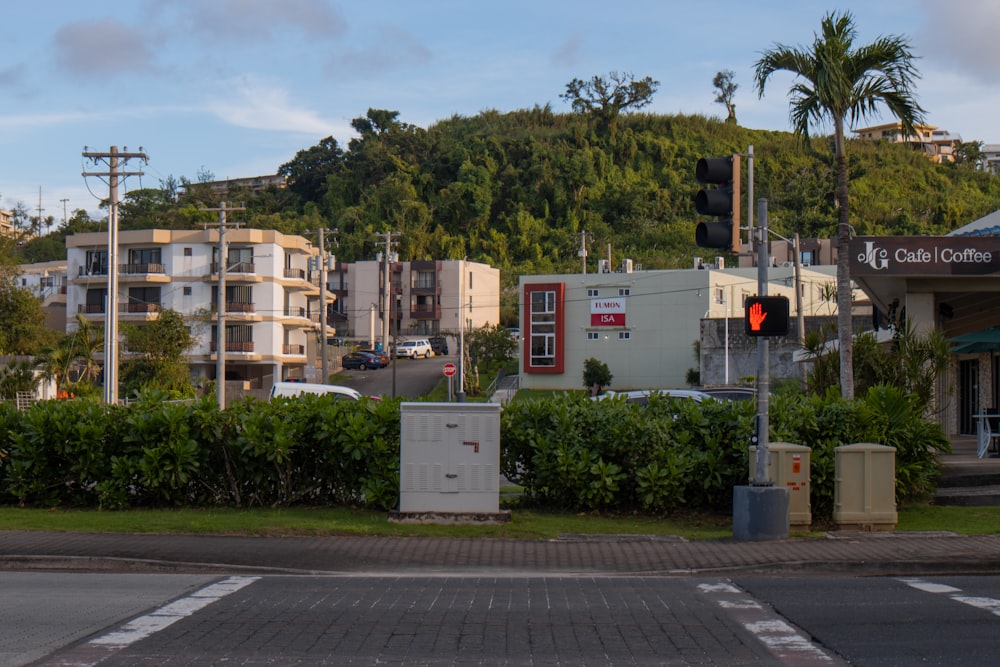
point(271, 315)
point(431, 298)
point(645, 324)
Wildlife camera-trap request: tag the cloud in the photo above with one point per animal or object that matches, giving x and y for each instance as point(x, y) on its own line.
point(259, 19)
point(251, 103)
point(568, 54)
point(394, 49)
point(13, 75)
point(963, 35)
point(101, 49)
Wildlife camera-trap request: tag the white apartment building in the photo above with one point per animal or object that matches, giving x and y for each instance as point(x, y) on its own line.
point(645, 324)
point(426, 298)
point(271, 314)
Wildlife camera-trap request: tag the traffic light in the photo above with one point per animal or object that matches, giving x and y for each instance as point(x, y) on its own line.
point(766, 316)
point(722, 201)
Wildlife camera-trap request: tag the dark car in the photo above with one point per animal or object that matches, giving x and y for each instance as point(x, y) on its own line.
point(382, 357)
point(361, 361)
point(439, 344)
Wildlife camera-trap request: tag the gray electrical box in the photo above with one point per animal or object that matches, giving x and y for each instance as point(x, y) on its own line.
point(449, 458)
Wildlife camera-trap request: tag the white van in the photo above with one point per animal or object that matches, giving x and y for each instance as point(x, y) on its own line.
point(286, 389)
point(415, 349)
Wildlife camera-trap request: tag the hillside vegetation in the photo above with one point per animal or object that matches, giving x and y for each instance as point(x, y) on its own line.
point(516, 189)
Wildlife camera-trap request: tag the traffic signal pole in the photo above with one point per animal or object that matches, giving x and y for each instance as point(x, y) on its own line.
point(762, 475)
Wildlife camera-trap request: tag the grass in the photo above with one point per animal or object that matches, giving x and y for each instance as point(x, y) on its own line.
point(525, 524)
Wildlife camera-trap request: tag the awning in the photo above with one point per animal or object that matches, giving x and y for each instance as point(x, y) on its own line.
point(984, 340)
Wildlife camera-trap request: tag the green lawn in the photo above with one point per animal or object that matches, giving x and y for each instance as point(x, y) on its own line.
point(525, 524)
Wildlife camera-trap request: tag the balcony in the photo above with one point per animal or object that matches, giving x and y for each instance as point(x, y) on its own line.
point(297, 350)
point(244, 346)
point(90, 308)
point(425, 312)
point(295, 274)
point(139, 308)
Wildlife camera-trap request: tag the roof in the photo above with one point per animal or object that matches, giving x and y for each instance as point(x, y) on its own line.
point(988, 225)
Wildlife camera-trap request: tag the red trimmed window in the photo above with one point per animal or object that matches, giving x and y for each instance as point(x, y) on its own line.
point(544, 305)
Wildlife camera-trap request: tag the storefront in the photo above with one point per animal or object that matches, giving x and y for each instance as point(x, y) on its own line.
point(949, 283)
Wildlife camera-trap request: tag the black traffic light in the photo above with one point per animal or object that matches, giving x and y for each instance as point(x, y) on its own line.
point(722, 201)
point(766, 316)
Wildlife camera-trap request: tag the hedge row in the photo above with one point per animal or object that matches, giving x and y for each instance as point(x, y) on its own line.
point(567, 452)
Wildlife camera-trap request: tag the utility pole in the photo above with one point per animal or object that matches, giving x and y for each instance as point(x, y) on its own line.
point(387, 288)
point(64, 210)
point(40, 209)
point(324, 266)
point(583, 251)
point(220, 332)
point(114, 161)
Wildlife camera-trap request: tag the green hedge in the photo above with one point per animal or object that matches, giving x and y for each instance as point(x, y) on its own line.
point(568, 452)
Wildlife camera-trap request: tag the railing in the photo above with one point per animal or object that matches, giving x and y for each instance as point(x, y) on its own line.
point(239, 267)
point(239, 307)
point(90, 308)
point(432, 312)
point(139, 308)
point(132, 269)
point(295, 273)
point(293, 349)
point(234, 346)
point(292, 311)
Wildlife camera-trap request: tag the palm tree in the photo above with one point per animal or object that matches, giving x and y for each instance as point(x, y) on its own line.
point(837, 82)
point(86, 342)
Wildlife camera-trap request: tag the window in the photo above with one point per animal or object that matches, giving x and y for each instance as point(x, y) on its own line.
point(624, 291)
point(187, 290)
point(545, 311)
point(720, 295)
point(624, 335)
point(424, 280)
point(593, 292)
point(593, 335)
point(144, 256)
point(96, 264)
point(187, 252)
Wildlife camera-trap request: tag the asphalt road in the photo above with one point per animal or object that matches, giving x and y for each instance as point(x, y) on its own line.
point(412, 378)
point(488, 619)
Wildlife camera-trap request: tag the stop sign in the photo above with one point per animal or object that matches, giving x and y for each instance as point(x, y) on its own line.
point(450, 369)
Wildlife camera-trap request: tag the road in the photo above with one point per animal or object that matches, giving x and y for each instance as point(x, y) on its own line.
point(147, 619)
point(414, 378)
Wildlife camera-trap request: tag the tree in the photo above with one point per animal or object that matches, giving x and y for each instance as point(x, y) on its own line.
point(596, 375)
point(837, 82)
point(22, 321)
point(307, 172)
point(607, 98)
point(156, 356)
point(726, 90)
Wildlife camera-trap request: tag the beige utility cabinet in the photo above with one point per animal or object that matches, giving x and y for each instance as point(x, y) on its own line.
point(449, 458)
point(788, 467)
point(864, 494)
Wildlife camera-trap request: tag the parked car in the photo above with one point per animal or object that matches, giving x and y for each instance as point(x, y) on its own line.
point(360, 361)
point(382, 356)
point(730, 393)
point(641, 396)
point(415, 349)
point(289, 389)
point(439, 344)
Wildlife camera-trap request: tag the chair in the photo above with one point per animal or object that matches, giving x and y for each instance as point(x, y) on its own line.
point(989, 434)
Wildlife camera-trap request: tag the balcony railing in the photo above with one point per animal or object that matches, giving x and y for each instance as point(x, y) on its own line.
point(133, 269)
point(90, 308)
point(292, 311)
point(239, 267)
point(139, 308)
point(239, 307)
point(429, 312)
point(234, 346)
point(295, 273)
point(293, 349)
point(92, 271)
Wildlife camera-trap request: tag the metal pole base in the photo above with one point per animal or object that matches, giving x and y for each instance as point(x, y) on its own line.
point(760, 513)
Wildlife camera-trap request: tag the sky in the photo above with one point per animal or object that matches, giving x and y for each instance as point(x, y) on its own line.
point(234, 88)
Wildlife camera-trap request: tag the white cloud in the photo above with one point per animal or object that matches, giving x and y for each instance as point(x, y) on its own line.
point(251, 103)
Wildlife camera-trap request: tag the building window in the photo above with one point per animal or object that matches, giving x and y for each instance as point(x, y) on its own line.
point(187, 252)
point(593, 335)
point(96, 264)
point(544, 319)
point(624, 291)
point(624, 335)
point(593, 292)
point(187, 290)
point(424, 280)
point(720, 295)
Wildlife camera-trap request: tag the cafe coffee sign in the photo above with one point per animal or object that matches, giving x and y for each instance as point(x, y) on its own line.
point(924, 255)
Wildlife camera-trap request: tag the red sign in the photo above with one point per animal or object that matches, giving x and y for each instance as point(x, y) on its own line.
point(450, 369)
point(607, 319)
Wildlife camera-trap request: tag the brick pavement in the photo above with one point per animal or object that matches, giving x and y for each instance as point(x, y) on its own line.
point(861, 553)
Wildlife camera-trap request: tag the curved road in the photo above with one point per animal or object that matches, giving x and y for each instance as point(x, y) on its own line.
point(414, 378)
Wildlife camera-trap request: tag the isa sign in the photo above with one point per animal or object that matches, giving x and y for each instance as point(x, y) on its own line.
point(607, 312)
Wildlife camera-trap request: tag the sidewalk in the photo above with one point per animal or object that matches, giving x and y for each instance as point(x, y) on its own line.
point(844, 553)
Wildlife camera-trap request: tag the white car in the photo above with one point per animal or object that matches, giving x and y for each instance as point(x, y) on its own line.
point(288, 389)
point(415, 349)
